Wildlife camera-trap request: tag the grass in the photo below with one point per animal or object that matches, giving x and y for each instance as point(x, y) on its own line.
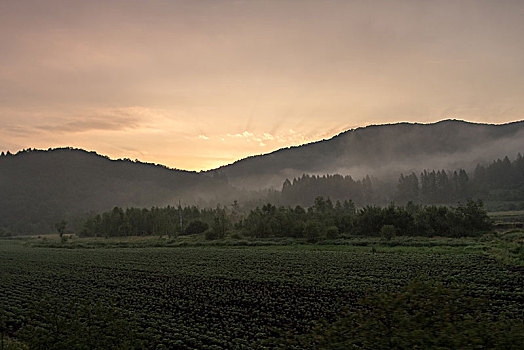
point(495, 214)
point(507, 247)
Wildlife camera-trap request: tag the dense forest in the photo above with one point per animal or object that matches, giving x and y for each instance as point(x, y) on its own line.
point(324, 219)
point(39, 188)
point(500, 180)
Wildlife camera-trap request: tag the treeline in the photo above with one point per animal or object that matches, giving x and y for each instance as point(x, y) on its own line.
point(170, 221)
point(501, 173)
point(500, 180)
point(40, 188)
point(324, 219)
point(429, 187)
point(434, 187)
point(305, 189)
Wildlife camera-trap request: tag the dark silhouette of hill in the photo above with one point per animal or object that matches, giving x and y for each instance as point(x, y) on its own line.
point(38, 188)
point(383, 151)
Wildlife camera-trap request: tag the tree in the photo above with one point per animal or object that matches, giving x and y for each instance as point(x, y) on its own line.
point(220, 224)
point(472, 218)
point(60, 227)
point(407, 188)
point(369, 221)
point(332, 232)
point(235, 212)
point(387, 232)
point(312, 231)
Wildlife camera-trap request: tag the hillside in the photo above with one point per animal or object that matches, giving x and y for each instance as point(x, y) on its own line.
point(383, 151)
point(38, 188)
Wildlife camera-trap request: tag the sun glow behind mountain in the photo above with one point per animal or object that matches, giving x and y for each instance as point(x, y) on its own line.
point(195, 85)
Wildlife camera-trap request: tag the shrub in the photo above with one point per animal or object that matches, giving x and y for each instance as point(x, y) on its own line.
point(195, 227)
point(312, 231)
point(236, 236)
point(210, 234)
point(387, 232)
point(426, 315)
point(332, 232)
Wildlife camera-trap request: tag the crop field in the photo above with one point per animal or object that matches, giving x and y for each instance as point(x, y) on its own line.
point(228, 297)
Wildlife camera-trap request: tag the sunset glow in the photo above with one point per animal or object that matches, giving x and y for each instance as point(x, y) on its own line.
point(198, 84)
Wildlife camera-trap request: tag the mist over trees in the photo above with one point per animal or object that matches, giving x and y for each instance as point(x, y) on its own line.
point(383, 151)
point(39, 188)
point(500, 180)
point(37, 202)
point(305, 189)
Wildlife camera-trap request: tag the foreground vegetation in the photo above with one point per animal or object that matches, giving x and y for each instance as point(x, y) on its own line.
point(277, 294)
point(425, 315)
point(507, 248)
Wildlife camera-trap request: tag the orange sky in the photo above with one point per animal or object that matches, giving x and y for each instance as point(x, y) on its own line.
point(197, 84)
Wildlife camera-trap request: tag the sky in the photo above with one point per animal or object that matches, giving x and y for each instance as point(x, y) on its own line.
point(198, 84)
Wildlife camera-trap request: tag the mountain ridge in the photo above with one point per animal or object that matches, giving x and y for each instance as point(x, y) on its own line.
point(40, 187)
point(362, 128)
point(377, 145)
point(138, 161)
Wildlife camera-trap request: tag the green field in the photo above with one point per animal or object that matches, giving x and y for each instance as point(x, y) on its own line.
point(228, 297)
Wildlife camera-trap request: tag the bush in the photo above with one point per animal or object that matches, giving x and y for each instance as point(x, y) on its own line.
point(210, 234)
point(332, 232)
point(312, 231)
point(195, 227)
point(4, 233)
point(426, 315)
point(387, 232)
point(236, 236)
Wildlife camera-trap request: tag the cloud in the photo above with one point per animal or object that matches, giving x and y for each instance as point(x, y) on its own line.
point(16, 130)
point(110, 123)
point(267, 136)
point(112, 119)
point(282, 73)
point(273, 141)
point(245, 134)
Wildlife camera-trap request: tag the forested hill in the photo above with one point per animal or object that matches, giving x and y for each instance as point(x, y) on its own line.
point(383, 151)
point(38, 188)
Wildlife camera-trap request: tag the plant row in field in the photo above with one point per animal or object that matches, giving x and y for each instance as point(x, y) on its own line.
point(219, 297)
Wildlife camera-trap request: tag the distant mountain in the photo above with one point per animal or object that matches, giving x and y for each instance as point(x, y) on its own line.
point(39, 188)
point(383, 151)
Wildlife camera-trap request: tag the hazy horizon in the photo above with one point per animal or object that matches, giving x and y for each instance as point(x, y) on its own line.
point(196, 85)
point(338, 171)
